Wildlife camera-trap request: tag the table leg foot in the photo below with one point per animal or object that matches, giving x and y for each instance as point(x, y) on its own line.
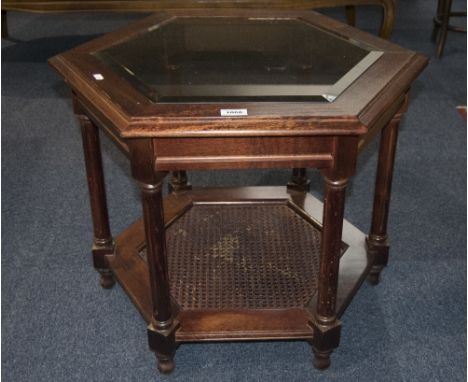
point(165, 365)
point(326, 339)
point(321, 359)
point(161, 338)
point(107, 280)
point(378, 249)
point(373, 278)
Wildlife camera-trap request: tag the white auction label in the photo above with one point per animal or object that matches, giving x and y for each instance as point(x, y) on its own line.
point(233, 112)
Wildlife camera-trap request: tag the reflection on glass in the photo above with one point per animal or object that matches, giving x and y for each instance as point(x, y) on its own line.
point(225, 59)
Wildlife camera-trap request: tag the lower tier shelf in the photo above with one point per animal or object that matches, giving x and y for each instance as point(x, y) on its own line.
point(243, 263)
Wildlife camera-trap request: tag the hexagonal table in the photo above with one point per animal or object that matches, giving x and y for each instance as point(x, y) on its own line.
point(219, 89)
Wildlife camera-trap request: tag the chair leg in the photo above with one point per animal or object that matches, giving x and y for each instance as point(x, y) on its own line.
point(442, 38)
point(351, 15)
point(436, 21)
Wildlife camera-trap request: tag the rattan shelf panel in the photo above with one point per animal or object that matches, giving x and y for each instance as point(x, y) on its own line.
point(242, 256)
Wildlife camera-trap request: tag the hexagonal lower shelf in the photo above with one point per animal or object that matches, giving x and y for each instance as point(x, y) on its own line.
point(243, 263)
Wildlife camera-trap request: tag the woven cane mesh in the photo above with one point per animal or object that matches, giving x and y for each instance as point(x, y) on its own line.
point(242, 256)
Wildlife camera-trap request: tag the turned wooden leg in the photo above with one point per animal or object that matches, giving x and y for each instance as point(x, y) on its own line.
point(325, 323)
point(377, 241)
point(351, 15)
point(299, 181)
point(321, 359)
point(103, 244)
point(179, 182)
point(161, 331)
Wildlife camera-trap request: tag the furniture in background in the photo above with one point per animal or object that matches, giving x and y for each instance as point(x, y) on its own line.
point(442, 24)
point(216, 92)
point(388, 7)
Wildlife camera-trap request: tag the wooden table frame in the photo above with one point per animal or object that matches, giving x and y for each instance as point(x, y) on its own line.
point(171, 137)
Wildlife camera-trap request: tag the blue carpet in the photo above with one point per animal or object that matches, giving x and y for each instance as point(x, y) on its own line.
point(59, 325)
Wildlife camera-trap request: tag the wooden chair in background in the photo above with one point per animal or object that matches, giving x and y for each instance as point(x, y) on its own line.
point(442, 24)
point(42, 6)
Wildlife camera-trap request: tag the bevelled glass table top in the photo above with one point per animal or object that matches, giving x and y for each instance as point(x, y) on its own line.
point(230, 59)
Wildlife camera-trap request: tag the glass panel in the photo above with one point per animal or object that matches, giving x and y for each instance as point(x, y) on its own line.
point(238, 59)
